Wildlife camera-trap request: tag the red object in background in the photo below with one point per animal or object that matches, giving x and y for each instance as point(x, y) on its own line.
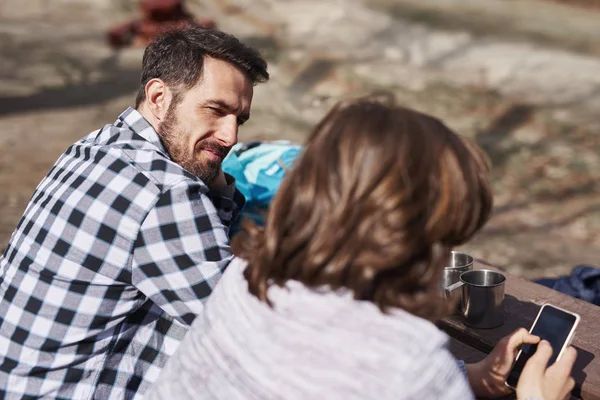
point(157, 16)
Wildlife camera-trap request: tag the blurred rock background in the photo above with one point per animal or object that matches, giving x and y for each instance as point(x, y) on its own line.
point(520, 77)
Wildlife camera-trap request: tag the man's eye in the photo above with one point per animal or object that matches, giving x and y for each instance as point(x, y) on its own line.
point(216, 110)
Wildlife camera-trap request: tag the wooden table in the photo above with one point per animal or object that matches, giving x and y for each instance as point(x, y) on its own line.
point(522, 302)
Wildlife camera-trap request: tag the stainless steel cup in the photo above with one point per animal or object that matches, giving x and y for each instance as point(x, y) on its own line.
point(482, 298)
point(459, 263)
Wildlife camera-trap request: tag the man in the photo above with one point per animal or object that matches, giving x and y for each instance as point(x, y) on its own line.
point(128, 233)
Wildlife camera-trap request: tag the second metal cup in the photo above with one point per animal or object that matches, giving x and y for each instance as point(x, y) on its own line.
point(459, 263)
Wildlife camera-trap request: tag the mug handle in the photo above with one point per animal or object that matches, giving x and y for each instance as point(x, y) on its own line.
point(453, 287)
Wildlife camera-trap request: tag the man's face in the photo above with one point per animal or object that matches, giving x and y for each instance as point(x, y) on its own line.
point(200, 129)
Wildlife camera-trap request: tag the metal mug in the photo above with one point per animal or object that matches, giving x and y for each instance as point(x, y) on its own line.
point(482, 298)
point(459, 263)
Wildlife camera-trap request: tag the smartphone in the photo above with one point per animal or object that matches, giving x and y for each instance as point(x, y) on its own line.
point(552, 324)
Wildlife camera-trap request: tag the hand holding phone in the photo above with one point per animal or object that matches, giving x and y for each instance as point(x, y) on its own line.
point(544, 362)
point(487, 376)
point(538, 381)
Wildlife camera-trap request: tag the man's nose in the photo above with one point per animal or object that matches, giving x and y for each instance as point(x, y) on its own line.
point(227, 134)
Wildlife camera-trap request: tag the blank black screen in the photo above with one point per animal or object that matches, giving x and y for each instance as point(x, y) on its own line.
point(554, 326)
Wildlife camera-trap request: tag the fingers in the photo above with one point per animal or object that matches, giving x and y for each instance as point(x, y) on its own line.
point(564, 366)
point(560, 372)
point(567, 388)
point(520, 337)
point(531, 339)
point(552, 383)
point(531, 381)
point(536, 365)
point(570, 356)
point(570, 385)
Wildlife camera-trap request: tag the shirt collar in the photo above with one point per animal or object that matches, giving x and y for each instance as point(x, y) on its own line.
point(141, 127)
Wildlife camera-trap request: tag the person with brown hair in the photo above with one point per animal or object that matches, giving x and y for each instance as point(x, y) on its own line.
point(335, 297)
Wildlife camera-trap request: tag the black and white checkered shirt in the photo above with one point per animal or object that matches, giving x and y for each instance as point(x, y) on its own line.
point(112, 260)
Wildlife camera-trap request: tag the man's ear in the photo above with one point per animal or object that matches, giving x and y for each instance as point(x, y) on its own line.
point(158, 98)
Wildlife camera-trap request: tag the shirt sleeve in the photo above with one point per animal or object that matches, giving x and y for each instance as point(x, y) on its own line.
point(434, 375)
point(450, 382)
point(229, 202)
point(182, 250)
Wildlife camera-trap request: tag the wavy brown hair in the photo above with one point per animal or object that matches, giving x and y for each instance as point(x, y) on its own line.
point(374, 204)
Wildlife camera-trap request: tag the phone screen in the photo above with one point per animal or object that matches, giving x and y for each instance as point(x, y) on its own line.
point(554, 326)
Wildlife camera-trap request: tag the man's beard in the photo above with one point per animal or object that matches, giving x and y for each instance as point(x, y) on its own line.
point(175, 141)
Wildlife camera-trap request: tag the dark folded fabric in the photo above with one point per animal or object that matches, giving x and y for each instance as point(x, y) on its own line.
point(583, 283)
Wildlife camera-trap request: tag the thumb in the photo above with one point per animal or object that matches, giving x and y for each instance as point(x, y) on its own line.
point(520, 337)
point(536, 366)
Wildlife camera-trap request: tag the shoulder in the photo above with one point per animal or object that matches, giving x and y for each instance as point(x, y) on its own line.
point(232, 283)
point(136, 172)
point(135, 151)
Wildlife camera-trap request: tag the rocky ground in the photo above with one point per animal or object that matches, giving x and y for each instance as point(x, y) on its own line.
point(520, 77)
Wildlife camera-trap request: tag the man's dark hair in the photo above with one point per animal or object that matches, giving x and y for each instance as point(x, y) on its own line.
point(177, 58)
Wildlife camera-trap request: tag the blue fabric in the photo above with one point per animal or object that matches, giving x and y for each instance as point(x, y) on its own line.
point(463, 368)
point(583, 283)
point(258, 168)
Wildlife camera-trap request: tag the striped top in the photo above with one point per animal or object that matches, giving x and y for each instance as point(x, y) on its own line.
point(311, 344)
